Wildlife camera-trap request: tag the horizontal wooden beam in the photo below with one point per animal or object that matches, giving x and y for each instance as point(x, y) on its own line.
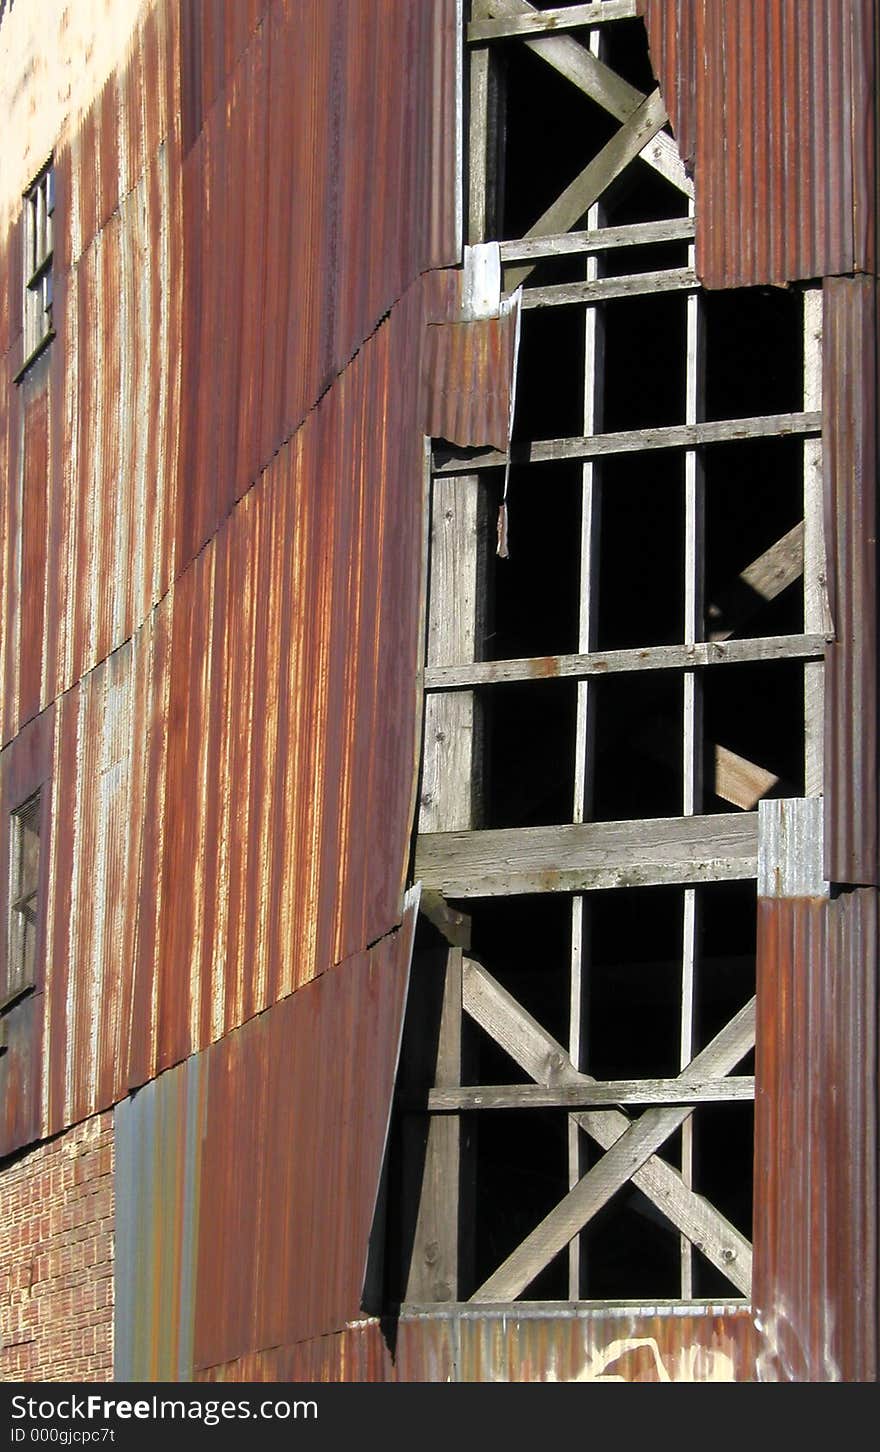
point(599, 239)
point(607, 289)
point(624, 662)
point(547, 22)
point(611, 1093)
point(634, 441)
point(581, 857)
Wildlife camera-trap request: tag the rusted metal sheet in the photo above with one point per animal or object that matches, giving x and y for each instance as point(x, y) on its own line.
point(247, 1177)
point(775, 101)
point(517, 1344)
point(158, 1139)
point(850, 413)
point(296, 1129)
point(25, 768)
point(815, 1218)
point(317, 188)
point(203, 305)
point(468, 380)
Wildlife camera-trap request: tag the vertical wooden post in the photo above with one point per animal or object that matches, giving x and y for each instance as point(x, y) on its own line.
point(694, 566)
point(448, 802)
point(585, 722)
point(815, 606)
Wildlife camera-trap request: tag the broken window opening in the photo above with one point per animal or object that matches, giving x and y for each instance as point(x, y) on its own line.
point(604, 711)
point(38, 295)
point(24, 881)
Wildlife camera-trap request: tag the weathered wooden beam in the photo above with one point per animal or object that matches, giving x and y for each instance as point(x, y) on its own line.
point(598, 239)
point(625, 1157)
point(606, 289)
point(624, 662)
point(453, 925)
point(609, 90)
point(635, 441)
point(547, 22)
point(583, 857)
point(572, 204)
point(756, 585)
point(544, 1059)
point(611, 1093)
point(740, 781)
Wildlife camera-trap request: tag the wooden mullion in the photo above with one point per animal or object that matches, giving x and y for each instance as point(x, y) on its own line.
point(543, 22)
point(600, 239)
point(596, 1095)
point(694, 612)
point(814, 576)
point(637, 441)
point(702, 655)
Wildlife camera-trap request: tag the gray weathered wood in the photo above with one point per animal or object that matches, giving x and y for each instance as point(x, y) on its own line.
point(450, 766)
point(544, 1059)
point(544, 22)
point(433, 1273)
point(478, 126)
point(605, 289)
point(453, 925)
point(611, 1093)
point(622, 662)
point(625, 1157)
point(598, 239)
point(582, 857)
point(596, 177)
point(815, 567)
point(599, 82)
point(633, 441)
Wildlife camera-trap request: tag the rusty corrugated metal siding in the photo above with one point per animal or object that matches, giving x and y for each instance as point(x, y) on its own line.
point(230, 562)
point(815, 1218)
point(469, 381)
point(775, 100)
point(850, 413)
point(514, 1345)
point(248, 1176)
point(204, 302)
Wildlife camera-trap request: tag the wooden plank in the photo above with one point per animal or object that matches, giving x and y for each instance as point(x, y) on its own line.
point(610, 1093)
point(618, 1165)
point(433, 1273)
point(621, 662)
point(598, 239)
point(544, 22)
point(478, 127)
point(585, 856)
point(740, 781)
point(450, 766)
point(606, 289)
point(577, 198)
point(453, 925)
point(760, 582)
point(815, 566)
point(544, 1059)
point(599, 82)
point(634, 441)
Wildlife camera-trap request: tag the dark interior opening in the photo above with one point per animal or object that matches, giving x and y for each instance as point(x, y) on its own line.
point(638, 756)
point(641, 566)
point(757, 711)
point(644, 362)
point(754, 352)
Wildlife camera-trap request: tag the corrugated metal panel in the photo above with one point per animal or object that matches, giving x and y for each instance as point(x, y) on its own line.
point(158, 1139)
point(202, 306)
point(247, 1178)
point(517, 1346)
point(468, 381)
point(815, 1219)
point(296, 1129)
point(850, 409)
point(317, 187)
point(776, 102)
point(790, 848)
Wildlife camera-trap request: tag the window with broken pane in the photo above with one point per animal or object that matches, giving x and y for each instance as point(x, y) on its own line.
point(643, 670)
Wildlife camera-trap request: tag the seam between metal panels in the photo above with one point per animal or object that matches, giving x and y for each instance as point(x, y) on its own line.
point(283, 444)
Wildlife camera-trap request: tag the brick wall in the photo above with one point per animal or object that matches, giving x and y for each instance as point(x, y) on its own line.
point(56, 1258)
